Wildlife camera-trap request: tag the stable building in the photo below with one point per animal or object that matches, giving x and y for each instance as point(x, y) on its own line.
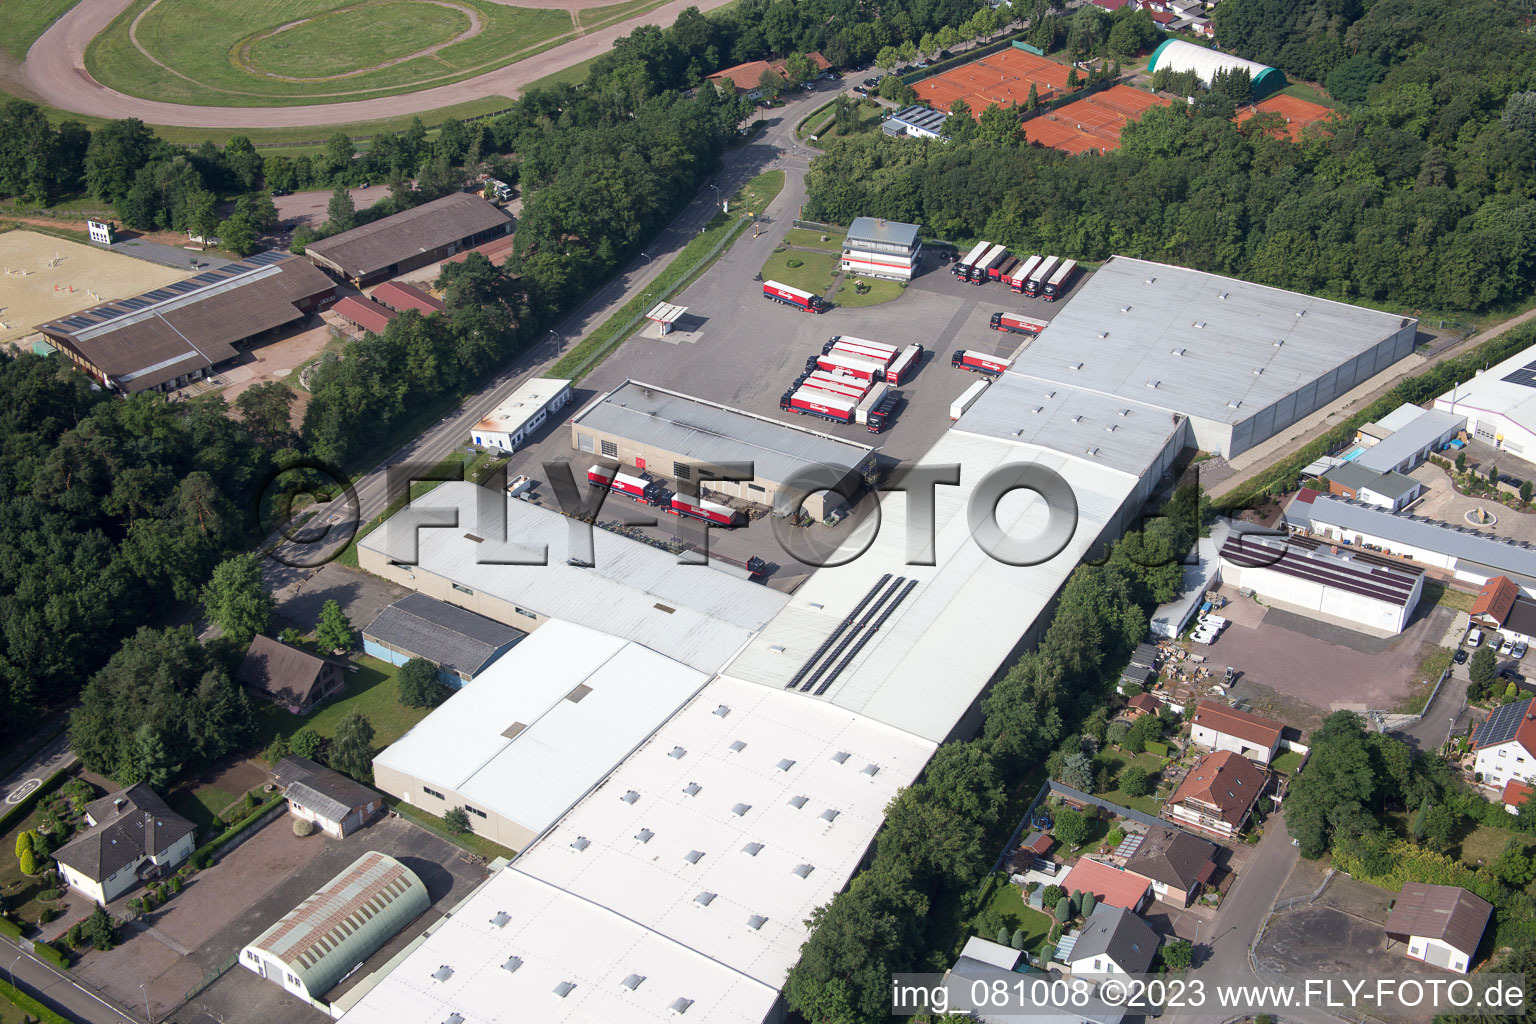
point(406, 241)
point(511, 423)
point(322, 940)
point(1442, 925)
point(400, 297)
point(693, 441)
point(1355, 588)
point(129, 834)
point(180, 333)
point(876, 247)
point(460, 643)
point(363, 314)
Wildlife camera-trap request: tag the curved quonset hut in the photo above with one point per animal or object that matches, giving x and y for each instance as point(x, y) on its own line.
point(1177, 55)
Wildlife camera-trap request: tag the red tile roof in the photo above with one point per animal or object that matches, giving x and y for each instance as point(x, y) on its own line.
point(1515, 793)
point(1307, 495)
point(1231, 722)
point(400, 297)
point(370, 316)
point(1145, 702)
point(1496, 599)
point(1226, 781)
point(1109, 884)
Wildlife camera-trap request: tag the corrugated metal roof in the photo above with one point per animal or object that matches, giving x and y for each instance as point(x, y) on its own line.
point(1201, 337)
point(457, 639)
point(1425, 430)
point(691, 613)
point(882, 233)
point(1444, 912)
point(1462, 543)
point(373, 247)
point(704, 432)
point(1355, 476)
point(924, 118)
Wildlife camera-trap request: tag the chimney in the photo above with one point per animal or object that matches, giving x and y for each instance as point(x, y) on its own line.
point(1333, 549)
point(117, 804)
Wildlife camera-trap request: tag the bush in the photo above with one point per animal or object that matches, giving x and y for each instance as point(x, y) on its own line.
point(49, 895)
point(1071, 828)
point(303, 827)
point(306, 742)
point(457, 821)
point(176, 883)
point(50, 951)
point(1134, 781)
point(793, 262)
point(74, 936)
point(1052, 894)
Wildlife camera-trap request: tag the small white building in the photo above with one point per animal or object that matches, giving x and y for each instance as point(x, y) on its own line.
point(1407, 436)
point(524, 411)
point(337, 804)
point(1114, 941)
point(126, 831)
point(1222, 728)
point(882, 248)
point(1442, 925)
point(1505, 745)
point(916, 121)
point(1344, 585)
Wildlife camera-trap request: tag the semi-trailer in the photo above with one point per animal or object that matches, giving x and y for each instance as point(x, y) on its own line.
point(1060, 281)
point(1019, 276)
point(870, 402)
point(904, 366)
point(881, 414)
point(1041, 274)
point(801, 300)
point(982, 268)
point(977, 362)
point(810, 402)
point(709, 511)
point(854, 366)
point(837, 384)
point(1015, 324)
point(962, 268)
point(641, 488)
point(966, 400)
point(861, 347)
point(1005, 269)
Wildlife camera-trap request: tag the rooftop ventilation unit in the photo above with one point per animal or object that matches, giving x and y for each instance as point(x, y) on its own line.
point(830, 814)
point(1301, 312)
point(1103, 334)
point(741, 809)
point(680, 1005)
point(581, 843)
point(776, 648)
point(454, 1018)
point(752, 849)
point(502, 919)
point(1279, 342)
point(692, 789)
point(841, 757)
point(804, 870)
point(1223, 295)
point(756, 921)
point(676, 753)
point(1258, 371)
point(644, 835)
point(1074, 366)
point(1198, 325)
point(1176, 352)
point(785, 765)
point(512, 964)
point(1235, 403)
point(798, 802)
point(633, 981)
point(1125, 412)
point(1078, 418)
point(1151, 280)
point(443, 973)
point(722, 711)
point(693, 856)
point(1125, 309)
point(1153, 383)
point(1093, 451)
point(1111, 428)
point(704, 899)
point(737, 746)
point(565, 988)
point(630, 797)
point(871, 770)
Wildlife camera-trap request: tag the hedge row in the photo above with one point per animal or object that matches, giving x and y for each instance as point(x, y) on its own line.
point(24, 806)
point(50, 952)
point(26, 1004)
point(1411, 863)
point(203, 856)
point(1435, 381)
point(10, 929)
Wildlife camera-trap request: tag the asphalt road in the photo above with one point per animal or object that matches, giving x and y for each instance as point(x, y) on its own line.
point(57, 991)
point(52, 758)
point(295, 558)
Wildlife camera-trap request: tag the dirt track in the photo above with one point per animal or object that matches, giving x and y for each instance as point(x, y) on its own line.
point(55, 73)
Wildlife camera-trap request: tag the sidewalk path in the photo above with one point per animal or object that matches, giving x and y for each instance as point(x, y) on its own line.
point(55, 757)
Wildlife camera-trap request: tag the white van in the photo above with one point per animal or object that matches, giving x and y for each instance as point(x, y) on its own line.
point(1474, 637)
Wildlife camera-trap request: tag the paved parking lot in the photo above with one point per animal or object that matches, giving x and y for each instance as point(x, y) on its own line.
point(231, 903)
point(1339, 933)
point(361, 595)
point(743, 351)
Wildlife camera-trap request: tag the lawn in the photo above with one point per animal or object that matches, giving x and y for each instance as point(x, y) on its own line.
point(812, 239)
point(875, 291)
point(594, 18)
point(468, 841)
point(22, 21)
point(814, 272)
point(226, 54)
point(1287, 763)
point(1303, 91)
point(201, 804)
point(1436, 592)
point(370, 690)
point(1150, 763)
point(1008, 904)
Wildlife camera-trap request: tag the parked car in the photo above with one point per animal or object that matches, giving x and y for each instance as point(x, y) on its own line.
point(1461, 656)
point(1518, 650)
point(1502, 645)
point(1474, 637)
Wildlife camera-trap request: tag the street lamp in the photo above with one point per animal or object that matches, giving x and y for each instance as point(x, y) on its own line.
point(147, 1015)
point(12, 968)
point(647, 258)
point(556, 335)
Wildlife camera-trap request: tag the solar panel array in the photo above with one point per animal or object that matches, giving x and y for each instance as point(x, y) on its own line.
point(122, 307)
point(1502, 724)
point(1525, 376)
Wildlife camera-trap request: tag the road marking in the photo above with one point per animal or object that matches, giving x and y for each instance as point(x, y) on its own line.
point(22, 791)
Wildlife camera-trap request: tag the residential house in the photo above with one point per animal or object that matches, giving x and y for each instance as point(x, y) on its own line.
point(338, 804)
point(1218, 794)
point(1504, 746)
point(1515, 793)
point(1222, 728)
point(977, 976)
point(747, 78)
point(288, 677)
point(1441, 924)
point(1501, 606)
point(1142, 704)
point(125, 831)
point(1113, 941)
point(1177, 863)
point(1109, 884)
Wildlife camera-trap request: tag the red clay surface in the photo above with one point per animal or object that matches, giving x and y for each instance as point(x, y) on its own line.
point(1092, 123)
point(1297, 113)
point(1003, 78)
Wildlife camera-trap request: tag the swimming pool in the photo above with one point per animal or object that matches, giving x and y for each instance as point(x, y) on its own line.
point(1353, 454)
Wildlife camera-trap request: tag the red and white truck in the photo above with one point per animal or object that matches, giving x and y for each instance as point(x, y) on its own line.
point(981, 270)
point(853, 366)
point(810, 402)
point(1013, 323)
point(801, 300)
point(962, 268)
point(904, 366)
point(968, 399)
point(978, 362)
point(1019, 275)
point(1005, 269)
point(1041, 274)
point(641, 487)
point(877, 350)
point(871, 401)
point(837, 384)
point(1060, 281)
point(709, 511)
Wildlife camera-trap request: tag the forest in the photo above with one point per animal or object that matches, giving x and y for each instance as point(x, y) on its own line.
point(1424, 196)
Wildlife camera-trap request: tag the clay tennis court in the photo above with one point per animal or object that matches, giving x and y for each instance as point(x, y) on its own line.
point(1003, 78)
point(31, 292)
point(1297, 113)
point(1092, 123)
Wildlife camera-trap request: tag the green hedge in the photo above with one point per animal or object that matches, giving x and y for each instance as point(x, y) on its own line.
point(26, 1004)
point(204, 854)
point(49, 952)
point(10, 929)
point(1155, 747)
point(1412, 863)
point(24, 806)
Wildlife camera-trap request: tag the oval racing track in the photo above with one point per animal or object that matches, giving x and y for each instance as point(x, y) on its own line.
point(55, 73)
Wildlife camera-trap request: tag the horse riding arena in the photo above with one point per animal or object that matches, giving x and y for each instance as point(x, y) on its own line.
point(43, 278)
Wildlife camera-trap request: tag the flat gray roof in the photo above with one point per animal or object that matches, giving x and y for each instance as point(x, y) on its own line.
point(1354, 475)
point(1503, 554)
point(1101, 429)
point(704, 432)
point(457, 639)
point(883, 232)
point(694, 614)
point(1428, 428)
point(1203, 339)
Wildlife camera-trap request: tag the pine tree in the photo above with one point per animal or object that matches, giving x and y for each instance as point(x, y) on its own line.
point(28, 861)
point(23, 842)
point(1017, 941)
point(333, 632)
point(1033, 99)
point(1002, 935)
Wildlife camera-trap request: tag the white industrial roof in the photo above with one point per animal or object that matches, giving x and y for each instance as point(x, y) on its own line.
point(1507, 389)
point(932, 657)
point(1410, 435)
point(623, 693)
point(755, 807)
point(666, 312)
point(522, 405)
point(1198, 343)
point(694, 614)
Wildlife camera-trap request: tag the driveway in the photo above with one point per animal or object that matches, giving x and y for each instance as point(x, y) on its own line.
point(361, 595)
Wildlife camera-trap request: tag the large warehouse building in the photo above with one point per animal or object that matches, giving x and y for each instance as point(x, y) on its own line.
point(172, 336)
point(683, 438)
point(1500, 404)
point(1242, 361)
point(1178, 55)
point(413, 238)
point(1335, 583)
point(453, 545)
point(523, 742)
